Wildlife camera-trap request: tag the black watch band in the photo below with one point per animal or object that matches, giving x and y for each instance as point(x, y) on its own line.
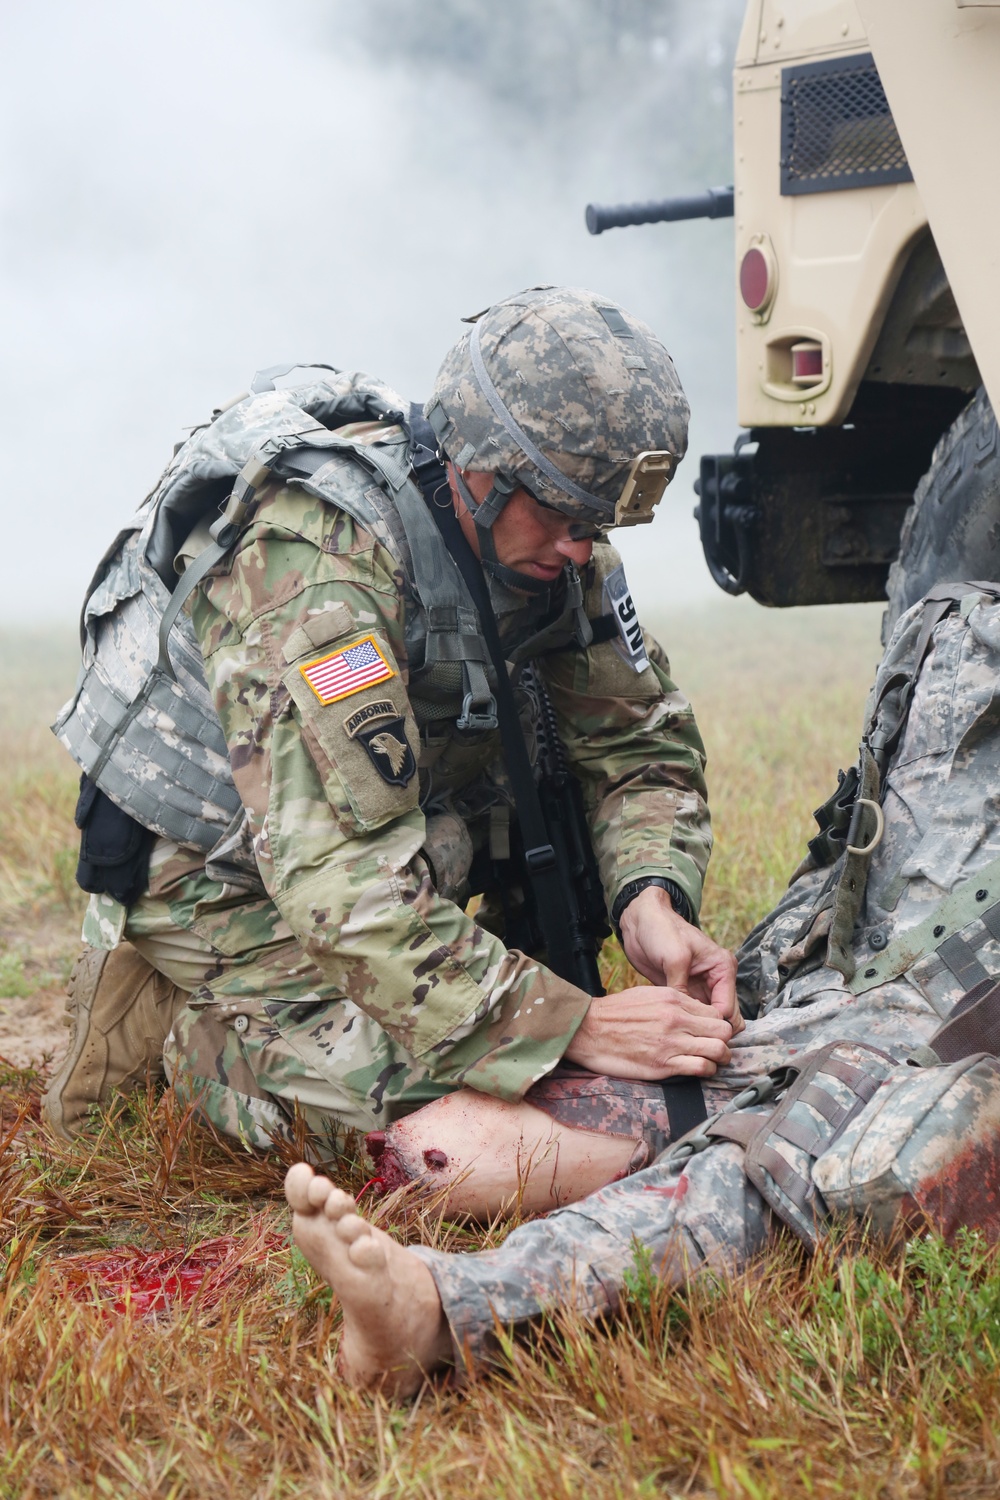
point(681, 904)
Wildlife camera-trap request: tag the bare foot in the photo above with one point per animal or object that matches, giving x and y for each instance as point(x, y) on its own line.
point(493, 1158)
point(395, 1332)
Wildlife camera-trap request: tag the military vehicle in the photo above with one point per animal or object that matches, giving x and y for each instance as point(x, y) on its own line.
point(868, 302)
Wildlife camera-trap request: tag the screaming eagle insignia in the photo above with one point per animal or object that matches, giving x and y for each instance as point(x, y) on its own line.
point(389, 751)
point(395, 753)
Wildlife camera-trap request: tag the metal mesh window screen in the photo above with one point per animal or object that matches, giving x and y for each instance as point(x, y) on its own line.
point(837, 130)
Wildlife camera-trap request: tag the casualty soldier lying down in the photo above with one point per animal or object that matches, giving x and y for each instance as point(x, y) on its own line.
point(867, 1083)
point(351, 664)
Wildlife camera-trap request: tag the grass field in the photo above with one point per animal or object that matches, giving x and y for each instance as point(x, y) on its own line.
point(867, 1375)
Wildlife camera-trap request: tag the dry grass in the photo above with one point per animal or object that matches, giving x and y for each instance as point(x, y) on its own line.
point(870, 1375)
point(779, 699)
point(40, 905)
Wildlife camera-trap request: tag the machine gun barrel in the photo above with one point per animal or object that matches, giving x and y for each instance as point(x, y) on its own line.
point(713, 203)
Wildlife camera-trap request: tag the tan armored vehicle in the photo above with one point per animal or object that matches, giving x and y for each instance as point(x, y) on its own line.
point(867, 136)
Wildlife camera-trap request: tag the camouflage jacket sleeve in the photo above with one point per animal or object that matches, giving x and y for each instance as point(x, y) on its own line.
point(326, 770)
point(635, 747)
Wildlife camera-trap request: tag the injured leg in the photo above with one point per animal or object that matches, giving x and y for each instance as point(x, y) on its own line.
point(674, 1224)
point(395, 1333)
point(407, 1312)
point(573, 1133)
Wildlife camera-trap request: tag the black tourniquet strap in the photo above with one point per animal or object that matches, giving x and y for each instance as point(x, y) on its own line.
point(685, 1101)
point(539, 855)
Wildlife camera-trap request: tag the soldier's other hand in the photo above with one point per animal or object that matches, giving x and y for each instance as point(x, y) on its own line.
point(666, 950)
point(651, 1032)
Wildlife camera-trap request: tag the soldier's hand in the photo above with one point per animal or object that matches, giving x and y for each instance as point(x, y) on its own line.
point(651, 1032)
point(666, 950)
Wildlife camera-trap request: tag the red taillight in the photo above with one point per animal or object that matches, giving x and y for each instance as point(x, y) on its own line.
point(755, 279)
point(807, 363)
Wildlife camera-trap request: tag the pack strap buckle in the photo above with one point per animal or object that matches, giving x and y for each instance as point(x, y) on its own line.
point(478, 715)
point(765, 1090)
point(542, 858)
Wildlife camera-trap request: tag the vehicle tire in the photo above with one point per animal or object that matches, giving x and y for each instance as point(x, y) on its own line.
point(952, 529)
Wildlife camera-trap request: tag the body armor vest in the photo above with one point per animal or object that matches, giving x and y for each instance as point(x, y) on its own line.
point(142, 724)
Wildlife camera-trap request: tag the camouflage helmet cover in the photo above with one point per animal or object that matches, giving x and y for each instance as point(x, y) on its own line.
point(586, 384)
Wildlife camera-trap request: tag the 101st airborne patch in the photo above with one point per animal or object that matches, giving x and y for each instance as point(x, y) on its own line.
point(380, 728)
point(341, 673)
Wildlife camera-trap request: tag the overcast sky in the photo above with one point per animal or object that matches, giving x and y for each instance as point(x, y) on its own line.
point(191, 190)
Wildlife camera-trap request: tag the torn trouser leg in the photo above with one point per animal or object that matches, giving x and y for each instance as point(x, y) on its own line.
point(578, 1257)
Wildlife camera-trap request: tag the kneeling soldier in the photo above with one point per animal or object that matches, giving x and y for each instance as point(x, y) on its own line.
point(312, 727)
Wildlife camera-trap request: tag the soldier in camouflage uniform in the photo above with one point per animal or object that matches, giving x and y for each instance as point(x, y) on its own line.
point(324, 963)
point(862, 1130)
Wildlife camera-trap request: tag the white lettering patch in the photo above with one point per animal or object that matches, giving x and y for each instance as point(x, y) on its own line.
point(618, 602)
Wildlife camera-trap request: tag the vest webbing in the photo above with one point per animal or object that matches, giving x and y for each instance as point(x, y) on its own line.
point(542, 869)
point(884, 731)
point(143, 668)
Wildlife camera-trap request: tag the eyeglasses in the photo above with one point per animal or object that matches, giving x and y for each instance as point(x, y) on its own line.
point(574, 531)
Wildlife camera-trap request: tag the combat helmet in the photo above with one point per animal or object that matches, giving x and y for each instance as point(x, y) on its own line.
point(560, 391)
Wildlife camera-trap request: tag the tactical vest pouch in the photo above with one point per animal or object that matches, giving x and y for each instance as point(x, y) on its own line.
point(972, 1027)
point(926, 1148)
point(151, 741)
point(835, 1085)
point(114, 848)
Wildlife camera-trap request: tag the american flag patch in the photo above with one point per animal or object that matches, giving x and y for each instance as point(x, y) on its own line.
point(344, 672)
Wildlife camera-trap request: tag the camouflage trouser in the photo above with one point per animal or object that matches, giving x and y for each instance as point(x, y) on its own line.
point(265, 1041)
point(707, 1215)
point(942, 827)
point(579, 1257)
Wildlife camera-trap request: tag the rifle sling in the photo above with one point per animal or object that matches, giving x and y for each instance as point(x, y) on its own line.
point(539, 855)
point(684, 1096)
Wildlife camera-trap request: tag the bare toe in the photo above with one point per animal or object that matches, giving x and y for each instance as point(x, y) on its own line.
point(338, 1204)
point(319, 1191)
point(351, 1229)
point(367, 1253)
point(297, 1180)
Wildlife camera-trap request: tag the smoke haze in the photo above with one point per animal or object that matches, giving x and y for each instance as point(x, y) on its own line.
point(192, 191)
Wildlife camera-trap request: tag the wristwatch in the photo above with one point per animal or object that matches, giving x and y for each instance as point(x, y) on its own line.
point(681, 904)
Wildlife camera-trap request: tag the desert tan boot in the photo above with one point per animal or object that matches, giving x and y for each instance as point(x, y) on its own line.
point(120, 1011)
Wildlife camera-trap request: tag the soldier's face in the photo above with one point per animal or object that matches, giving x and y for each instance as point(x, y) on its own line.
point(529, 538)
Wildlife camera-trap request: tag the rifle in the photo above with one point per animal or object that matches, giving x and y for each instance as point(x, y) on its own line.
point(569, 834)
point(564, 906)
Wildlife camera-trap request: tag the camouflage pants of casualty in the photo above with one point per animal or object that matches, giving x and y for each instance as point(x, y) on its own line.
point(942, 827)
point(709, 1215)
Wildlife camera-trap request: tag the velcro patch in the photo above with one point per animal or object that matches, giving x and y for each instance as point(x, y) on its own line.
point(618, 602)
point(383, 709)
point(349, 670)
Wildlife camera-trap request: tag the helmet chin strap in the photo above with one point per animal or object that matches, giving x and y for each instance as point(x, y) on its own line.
point(484, 513)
